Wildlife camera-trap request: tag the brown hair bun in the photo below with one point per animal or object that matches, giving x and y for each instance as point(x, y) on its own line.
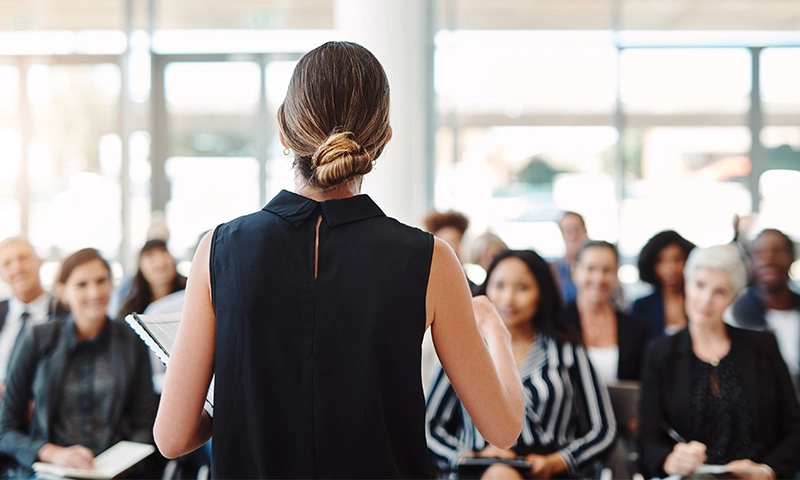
point(339, 159)
point(335, 117)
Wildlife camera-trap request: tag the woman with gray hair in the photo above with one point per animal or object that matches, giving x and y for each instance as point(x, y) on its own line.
point(715, 394)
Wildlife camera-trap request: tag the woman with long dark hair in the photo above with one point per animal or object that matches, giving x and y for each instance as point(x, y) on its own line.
point(156, 277)
point(569, 423)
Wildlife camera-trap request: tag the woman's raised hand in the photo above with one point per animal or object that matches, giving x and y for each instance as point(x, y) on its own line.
point(488, 320)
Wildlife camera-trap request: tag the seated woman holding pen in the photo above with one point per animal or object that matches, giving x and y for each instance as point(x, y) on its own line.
point(569, 423)
point(87, 377)
point(716, 394)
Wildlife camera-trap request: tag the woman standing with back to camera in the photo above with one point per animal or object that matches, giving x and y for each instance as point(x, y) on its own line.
point(311, 311)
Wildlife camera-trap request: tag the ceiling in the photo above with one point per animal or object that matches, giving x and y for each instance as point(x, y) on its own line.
point(451, 14)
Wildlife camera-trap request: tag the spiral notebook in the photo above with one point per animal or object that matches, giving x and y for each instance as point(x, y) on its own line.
point(158, 332)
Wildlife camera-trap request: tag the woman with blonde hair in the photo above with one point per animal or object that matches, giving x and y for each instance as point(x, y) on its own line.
point(311, 311)
point(717, 394)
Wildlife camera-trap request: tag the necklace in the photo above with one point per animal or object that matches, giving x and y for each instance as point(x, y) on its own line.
point(593, 331)
point(590, 327)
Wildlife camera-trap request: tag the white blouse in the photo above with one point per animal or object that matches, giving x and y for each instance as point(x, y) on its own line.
point(605, 361)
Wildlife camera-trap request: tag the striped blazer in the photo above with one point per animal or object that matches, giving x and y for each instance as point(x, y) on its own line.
point(567, 410)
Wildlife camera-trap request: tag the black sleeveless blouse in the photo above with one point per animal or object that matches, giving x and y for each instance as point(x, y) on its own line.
point(319, 377)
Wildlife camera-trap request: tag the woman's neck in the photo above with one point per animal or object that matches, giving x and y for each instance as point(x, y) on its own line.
point(522, 333)
point(710, 340)
point(592, 307)
point(673, 290)
point(160, 291)
point(343, 190)
point(87, 329)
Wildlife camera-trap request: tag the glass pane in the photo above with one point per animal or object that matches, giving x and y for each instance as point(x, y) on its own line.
point(780, 195)
point(74, 157)
point(516, 72)
point(11, 148)
point(692, 180)
point(516, 181)
point(780, 183)
point(780, 77)
point(278, 75)
point(212, 108)
point(207, 191)
point(9, 96)
point(280, 174)
point(685, 80)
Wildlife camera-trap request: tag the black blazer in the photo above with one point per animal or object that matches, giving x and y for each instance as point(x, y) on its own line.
point(666, 399)
point(632, 337)
point(37, 374)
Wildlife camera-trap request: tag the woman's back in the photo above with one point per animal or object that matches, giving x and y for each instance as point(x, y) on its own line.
point(328, 387)
point(311, 313)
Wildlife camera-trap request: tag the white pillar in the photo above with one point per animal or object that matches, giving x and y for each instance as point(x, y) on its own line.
point(398, 33)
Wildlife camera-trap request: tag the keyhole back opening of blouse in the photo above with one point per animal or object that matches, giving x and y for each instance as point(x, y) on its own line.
point(316, 246)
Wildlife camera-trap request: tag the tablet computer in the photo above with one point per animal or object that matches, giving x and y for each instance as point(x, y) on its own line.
point(624, 400)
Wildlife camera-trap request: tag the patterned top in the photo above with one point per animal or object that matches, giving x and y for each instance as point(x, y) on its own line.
point(723, 421)
point(567, 410)
point(88, 397)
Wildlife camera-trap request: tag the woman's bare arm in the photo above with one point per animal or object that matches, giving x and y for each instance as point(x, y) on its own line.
point(182, 424)
point(476, 355)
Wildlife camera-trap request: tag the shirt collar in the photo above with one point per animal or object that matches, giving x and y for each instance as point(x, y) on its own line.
point(297, 208)
point(72, 340)
point(38, 308)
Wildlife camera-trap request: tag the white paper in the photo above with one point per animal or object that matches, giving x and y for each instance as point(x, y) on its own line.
point(108, 464)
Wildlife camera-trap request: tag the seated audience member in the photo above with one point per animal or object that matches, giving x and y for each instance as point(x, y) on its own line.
point(661, 263)
point(484, 248)
point(768, 303)
point(88, 379)
point(156, 278)
point(615, 341)
point(573, 231)
point(716, 394)
point(569, 423)
point(450, 226)
point(29, 304)
point(482, 251)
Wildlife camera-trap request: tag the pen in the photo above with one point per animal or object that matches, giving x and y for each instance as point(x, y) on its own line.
point(672, 433)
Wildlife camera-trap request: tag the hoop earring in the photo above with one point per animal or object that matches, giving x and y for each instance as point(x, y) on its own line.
point(286, 151)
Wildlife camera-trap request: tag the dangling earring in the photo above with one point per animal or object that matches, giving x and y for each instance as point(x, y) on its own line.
point(286, 151)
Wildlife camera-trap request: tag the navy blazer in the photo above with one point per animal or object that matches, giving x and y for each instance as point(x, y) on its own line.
point(632, 337)
point(748, 311)
point(666, 399)
point(650, 308)
point(37, 372)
